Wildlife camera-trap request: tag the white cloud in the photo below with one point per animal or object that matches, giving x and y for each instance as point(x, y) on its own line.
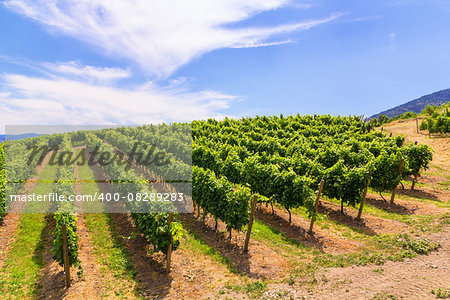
point(252, 45)
point(87, 73)
point(59, 100)
point(367, 18)
point(161, 35)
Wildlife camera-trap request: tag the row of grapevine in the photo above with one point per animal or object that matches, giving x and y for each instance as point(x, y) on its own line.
point(173, 169)
point(437, 123)
point(154, 225)
point(230, 202)
point(175, 139)
point(17, 166)
point(284, 158)
point(287, 167)
point(221, 199)
point(65, 211)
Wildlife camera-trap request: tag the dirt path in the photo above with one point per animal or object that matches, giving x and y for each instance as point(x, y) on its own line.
point(8, 226)
point(412, 279)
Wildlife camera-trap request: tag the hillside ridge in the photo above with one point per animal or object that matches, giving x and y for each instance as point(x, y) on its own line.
point(417, 105)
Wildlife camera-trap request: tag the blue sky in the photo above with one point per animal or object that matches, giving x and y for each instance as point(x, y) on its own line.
point(137, 61)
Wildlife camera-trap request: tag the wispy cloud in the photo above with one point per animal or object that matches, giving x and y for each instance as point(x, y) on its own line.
point(161, 36)
point(252, 45)
point(68, 98)
point(87, 73)
point(366, 18)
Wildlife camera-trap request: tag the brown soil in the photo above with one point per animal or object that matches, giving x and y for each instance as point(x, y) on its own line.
point(8, 226)
point(321, 239)
point(52, 276)
point(411, 279)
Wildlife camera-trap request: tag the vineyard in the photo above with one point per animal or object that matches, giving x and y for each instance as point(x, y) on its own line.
point(437, 122)
point(261, 207)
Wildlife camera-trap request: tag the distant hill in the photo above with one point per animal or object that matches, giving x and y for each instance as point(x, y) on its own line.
point(11, 137)
point(417, 105)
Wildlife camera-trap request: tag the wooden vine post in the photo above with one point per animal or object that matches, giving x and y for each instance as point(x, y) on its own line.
point(169, 250)
point(414, 180)
point(417, 125)
point(250, 222)
point(363, 200)
point(316, 205)
point(66, 254)
point(400, 169)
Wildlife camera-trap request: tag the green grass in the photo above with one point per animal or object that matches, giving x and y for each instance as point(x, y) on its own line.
point(273, 237)
point(384, 296)
point(379, 270)
point(417, 198)
point(385, 247)
point(339, 229)
point(253, 290)
point(20, 273)
point(390, 248)
point(440, 172)
point(193, 242)
point(109, 250)
point(420, 223)
point(445, 185)
point(441, 293)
